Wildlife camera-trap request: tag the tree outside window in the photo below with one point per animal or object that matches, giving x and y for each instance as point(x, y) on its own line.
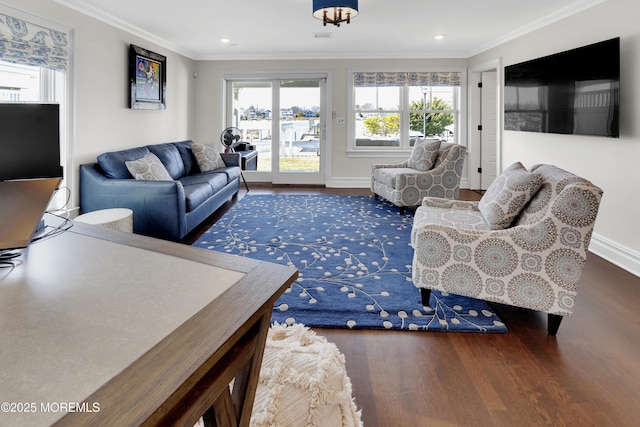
point(436, 122)
point(393, 109)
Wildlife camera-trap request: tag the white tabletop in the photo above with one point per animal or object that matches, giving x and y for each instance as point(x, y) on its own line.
point(79, 310)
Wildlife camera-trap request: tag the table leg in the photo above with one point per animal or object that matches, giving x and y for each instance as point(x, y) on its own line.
point(233, 409)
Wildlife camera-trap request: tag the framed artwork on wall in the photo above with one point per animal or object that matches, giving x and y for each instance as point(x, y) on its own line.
point(147, 79)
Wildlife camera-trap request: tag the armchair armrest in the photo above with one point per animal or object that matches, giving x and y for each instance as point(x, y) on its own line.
point(440, 202)
point(392, 165)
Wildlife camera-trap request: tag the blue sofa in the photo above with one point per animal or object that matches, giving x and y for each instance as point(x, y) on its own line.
point(164, 209)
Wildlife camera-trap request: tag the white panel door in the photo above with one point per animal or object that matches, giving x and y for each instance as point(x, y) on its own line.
point(489, 120)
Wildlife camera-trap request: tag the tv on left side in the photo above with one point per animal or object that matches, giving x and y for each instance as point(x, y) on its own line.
point(29, 141)
point(30, 171)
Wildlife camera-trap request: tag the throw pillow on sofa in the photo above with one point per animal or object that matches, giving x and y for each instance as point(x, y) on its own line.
point(423, 155)
point(207, 156)
point(507, 195)
point(148, 168)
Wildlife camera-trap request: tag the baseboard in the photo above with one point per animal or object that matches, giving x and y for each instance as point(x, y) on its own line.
point(349, 182)
point(359, 182)
point(615, 253)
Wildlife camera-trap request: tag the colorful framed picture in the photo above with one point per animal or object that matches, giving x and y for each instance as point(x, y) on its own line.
point(147, 79)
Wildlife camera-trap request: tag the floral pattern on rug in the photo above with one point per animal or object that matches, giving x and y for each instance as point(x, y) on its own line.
point(354, 262)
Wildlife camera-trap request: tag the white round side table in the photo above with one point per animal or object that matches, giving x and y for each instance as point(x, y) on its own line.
point(120, 219)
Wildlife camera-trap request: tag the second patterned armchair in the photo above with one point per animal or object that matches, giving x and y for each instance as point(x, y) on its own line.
point(433, 170)
point(523, 244)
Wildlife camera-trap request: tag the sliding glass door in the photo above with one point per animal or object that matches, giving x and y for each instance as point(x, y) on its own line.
point(283, 119)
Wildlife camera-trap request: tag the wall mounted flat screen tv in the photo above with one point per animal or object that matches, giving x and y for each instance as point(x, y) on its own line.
point(573, 92)
point(29, 141)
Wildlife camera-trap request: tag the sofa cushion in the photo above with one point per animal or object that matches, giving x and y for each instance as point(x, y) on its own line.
point(215, 180)
point(508, 195)
point(424, 154)
point(231, 172)
point(170, 158)
point(148, 168)
point(112, 163)
point(207, 156)
point(196, 194)
point(198, 188)
point(190, 164)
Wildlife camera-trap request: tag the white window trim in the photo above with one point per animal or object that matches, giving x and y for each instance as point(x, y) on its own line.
point(365, 152)
point(52, 92)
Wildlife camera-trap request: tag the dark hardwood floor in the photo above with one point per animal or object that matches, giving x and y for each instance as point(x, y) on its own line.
point(587, 375)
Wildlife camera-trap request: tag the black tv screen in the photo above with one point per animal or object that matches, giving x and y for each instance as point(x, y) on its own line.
point(29, 141)
point(572, 92)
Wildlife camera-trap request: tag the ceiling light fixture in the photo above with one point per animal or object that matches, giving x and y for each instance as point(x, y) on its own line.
point(335, 11)
point(439, 37)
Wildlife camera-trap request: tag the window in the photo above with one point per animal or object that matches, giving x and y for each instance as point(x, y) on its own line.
point(27, 83)
point(33, 64)
point(393, 109)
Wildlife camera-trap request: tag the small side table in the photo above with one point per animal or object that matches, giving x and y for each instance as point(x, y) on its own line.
point(249, 159)
point(120, 219)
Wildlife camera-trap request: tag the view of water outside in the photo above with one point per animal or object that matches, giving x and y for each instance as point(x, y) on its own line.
point(298, 121)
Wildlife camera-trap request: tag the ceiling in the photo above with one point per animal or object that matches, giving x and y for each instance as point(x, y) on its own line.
point(285, 29)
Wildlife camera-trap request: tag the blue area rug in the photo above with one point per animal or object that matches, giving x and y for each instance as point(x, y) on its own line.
point(354, 259)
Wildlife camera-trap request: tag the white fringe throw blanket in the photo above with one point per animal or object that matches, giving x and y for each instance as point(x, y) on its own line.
point(303, 382)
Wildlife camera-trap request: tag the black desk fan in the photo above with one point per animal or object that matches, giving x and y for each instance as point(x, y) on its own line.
point(230, 137)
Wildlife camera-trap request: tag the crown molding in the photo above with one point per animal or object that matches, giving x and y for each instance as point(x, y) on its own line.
point(556, 16)
point(118, 23)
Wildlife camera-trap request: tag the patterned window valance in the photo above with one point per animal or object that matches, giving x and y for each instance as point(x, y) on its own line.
point(372, 79)
point(23, 42)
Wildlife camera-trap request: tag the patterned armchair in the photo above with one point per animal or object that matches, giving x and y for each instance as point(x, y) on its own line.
point(433, 170)
point(524, 244)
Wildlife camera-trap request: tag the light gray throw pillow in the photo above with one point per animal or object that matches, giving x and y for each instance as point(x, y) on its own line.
point(508, 194)
point(148, 168)
point(207, 156)
point(424, 155)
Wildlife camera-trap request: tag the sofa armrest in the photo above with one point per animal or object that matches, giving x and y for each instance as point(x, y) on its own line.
point(159, 207)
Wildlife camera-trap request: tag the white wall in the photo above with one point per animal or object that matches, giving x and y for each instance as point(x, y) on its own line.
point(103, 121)
point(612, 164)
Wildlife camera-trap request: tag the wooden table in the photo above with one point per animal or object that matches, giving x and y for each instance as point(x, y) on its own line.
point(99, 327)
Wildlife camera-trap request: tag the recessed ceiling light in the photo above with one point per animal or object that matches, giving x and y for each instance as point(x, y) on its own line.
point(439, 36)
point(224, 40)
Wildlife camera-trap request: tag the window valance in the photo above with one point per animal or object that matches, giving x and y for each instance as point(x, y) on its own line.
point(23, 42)
point(430, 78)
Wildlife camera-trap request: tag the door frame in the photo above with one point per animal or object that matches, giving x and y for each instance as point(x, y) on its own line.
point(325, 145)
point(475, 115)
